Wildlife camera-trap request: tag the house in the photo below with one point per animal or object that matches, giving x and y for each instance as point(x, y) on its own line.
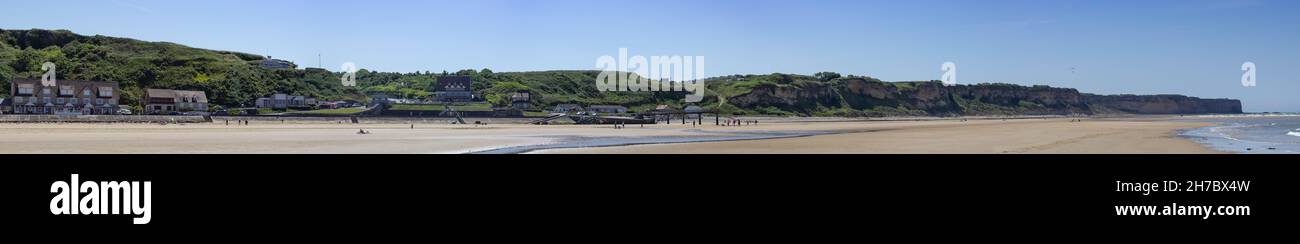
point(276, 101)
point(285, 101)
point(279, 101)
point(67, 97)
point(263, 102)
point(163, 101)
point(272, 63)
point(607, 109)
point(454, 89)
point(521, 100)
point(567, 108)
point(297, 102)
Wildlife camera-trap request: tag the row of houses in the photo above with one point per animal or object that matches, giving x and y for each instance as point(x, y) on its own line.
point(285, 101)
point(80, 97)
point(165, 101)
point(29, 96)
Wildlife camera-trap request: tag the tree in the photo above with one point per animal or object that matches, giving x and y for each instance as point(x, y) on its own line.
point(827, 76)
point(497, 100)
point(27, 60)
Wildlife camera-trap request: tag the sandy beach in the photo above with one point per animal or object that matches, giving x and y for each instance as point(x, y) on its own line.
point(1054, 136)
point(1024, 136)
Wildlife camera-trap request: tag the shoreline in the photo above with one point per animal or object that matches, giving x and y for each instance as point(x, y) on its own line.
point(1244, 135)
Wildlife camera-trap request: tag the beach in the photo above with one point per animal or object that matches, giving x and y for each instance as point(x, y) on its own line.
point(945, 136)
point(1052, 136)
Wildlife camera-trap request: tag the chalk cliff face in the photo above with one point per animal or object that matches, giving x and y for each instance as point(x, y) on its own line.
point(861, 97)
point(1163, 104)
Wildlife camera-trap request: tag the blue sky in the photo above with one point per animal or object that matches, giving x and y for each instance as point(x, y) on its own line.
point(1192, 47)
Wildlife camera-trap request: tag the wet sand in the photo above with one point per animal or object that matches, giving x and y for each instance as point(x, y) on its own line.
point(1055, 136)
point(945, 136)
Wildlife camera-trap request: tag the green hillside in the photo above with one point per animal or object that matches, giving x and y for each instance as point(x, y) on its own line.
point(229, 78)
point(233, 79)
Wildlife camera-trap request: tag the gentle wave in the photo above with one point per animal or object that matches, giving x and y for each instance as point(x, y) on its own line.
point(1249, 135)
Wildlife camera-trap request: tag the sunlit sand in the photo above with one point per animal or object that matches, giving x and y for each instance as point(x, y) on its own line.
point(942, 136)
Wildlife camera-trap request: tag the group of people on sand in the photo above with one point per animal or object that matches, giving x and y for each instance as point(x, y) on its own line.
point(739, 122)
point(238, 122)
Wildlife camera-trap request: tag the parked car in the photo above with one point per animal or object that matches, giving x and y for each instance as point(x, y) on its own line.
point(124, 111)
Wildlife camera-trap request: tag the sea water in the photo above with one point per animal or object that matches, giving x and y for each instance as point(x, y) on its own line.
point(1250, 134)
